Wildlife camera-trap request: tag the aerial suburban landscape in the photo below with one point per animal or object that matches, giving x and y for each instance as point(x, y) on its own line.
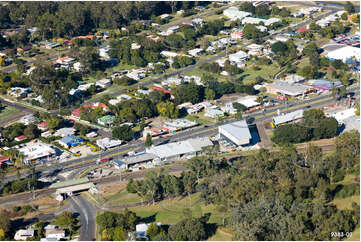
point(170, 120)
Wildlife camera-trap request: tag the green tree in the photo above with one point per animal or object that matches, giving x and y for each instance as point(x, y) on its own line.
point(123, 132)
point(209, 94)
point(31, 131)
point(153, 230)
point(167, 109)
point(119, 234)
point(349, 7)
point(148, 140)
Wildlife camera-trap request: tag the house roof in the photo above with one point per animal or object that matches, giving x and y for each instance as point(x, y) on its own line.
point(70, 140)
point(160, 89)
point(4, 158)
point(21, 137)
point(288, 117)
point(302, 29)
point(43, 124)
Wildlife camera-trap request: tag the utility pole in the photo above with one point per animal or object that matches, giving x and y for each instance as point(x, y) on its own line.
point(120, 175)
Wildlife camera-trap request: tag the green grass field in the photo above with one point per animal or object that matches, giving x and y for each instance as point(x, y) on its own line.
point(171, 212)
point(266, 71)
point(7, 112)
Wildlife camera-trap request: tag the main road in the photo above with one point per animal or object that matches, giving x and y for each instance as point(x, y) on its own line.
point(200, 131)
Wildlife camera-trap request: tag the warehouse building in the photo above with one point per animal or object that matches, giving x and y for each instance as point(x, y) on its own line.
point(70, 141)
point(182, 149)
point(288, 117)
point(346, 54)
point(238, 133)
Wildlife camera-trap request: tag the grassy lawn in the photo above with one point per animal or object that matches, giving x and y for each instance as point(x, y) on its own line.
point(8, 111)
point(171, 211)
point(198, 120)
point(346, 203)
point(219, 236)
point(266, 72)
point(199, 72)
point(355, 235)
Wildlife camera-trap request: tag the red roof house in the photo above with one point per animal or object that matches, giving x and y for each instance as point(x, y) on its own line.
point(154, 88)
point(77, 112)
point(4, 159)
point(301, 30)
point(20, 138)
point(43, 125)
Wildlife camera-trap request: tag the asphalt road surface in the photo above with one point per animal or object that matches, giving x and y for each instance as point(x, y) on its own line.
point(23, 111)
point(200, 131)
point(87, 215)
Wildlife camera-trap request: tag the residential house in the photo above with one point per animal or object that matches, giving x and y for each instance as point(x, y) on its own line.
point(239, 58)
point(55, 233)
point(27, 119)
point(104, 83)
point(213, 112)
point(237, 35)
point(254, 49)
point(196, 52)
point(141, 230)
point(43, 125)
point(107, 120)
point(63, 132)
point(24, 234)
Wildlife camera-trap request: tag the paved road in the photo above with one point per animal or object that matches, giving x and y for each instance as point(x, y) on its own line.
point(23, 111)
point(87, 214)
point(200, 131)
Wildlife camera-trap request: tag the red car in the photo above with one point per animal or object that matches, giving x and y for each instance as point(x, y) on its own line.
point(282, 98)
point(103, 160)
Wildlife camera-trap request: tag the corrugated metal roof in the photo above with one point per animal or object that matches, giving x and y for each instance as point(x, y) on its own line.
point(69, 183)
point(288, 117)
point(238, 130)
point(180, 148)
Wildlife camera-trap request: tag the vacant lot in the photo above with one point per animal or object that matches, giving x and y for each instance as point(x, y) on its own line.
point(7, 112)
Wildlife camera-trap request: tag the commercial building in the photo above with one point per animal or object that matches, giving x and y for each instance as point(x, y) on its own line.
point(138, 159)
point(287, 89)
point(175, 125)
point(234, 13)
point(33, 151)
point(346, 54)
point(107, 143)
point(182, 149)
point(55, 233)
point(70, 141)
point(238, 133)
point(288, 117)
point(324, 85)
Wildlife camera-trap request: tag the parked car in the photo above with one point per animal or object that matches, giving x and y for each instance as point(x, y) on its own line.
point(103, 160)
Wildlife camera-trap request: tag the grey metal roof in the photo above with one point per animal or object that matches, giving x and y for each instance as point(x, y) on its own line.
point(288, 117)
point(140, 157)
point(238, 130)
point(289, 89)
point(180, 148)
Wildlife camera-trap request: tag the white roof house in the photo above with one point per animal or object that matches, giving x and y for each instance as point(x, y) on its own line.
point(344, 54)
point(252, 20)
point(238, 57)
point(196, 52)
point(168, 53)
point(103, 52)
point(65, 132)
point(27, 119)
point(24, 234)
point(262, 28)
point(55, 233)
point(294, 78)
point(104, 83)
point(237, 132)
point(213, 112)
point(172, 80)
point(179, 149)
point(289, 117)
point(141, 230)
point(271, 21)
point(234, 13)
